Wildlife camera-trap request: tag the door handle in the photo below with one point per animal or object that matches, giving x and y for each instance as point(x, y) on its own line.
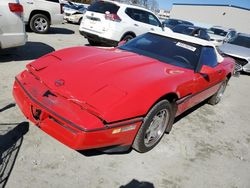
point(152, 29)
point(136, 25)
point(29, 2)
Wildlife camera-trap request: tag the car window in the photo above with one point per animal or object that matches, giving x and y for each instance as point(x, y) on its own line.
point(179, 28)
point(231, 35)
point(172, 22)
point(153, 20)
point(142, 16)
point(241, 41)
point(203, 34)
point(136, 14)
point(102, 7)
point(209, 57)
point(165, 49)
point(216, 31)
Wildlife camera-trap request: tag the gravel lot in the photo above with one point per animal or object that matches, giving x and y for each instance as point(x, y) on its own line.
point(208, 147)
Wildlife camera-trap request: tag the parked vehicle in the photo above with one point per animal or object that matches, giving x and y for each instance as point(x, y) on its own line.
point(40, 14)
point(12, 31)
point(74, 15)
point(239, 49)
point(219, 35)
point(171, 23)
point(109, 22)
point(192, 30)
point(89, 97)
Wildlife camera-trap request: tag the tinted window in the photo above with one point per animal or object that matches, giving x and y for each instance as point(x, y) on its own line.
point(179, 28)
point(164, 49)
point(102, 7)
point(241, 41)
point(153, 20)
point(231, 34)
point(208, 57)
point(136, 14)
point(203, 34)
point(142, 16)
point(217, 32)
point(172, 22)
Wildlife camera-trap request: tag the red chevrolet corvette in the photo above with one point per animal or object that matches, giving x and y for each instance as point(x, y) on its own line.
point(88, 97)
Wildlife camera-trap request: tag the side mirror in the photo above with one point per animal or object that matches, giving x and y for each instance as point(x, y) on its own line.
point(122, 42)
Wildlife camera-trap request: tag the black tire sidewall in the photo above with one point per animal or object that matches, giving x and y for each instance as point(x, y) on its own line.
point(32, 26)
point(139, 144)
point(127, 37)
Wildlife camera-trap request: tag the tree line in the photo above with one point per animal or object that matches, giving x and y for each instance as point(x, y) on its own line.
point(149, 4)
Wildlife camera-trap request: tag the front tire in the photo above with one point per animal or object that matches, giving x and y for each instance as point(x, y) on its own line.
point(39, 23)
point(216, 98)
point(158, 119)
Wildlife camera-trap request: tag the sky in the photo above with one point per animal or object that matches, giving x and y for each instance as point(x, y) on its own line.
point(167, 4)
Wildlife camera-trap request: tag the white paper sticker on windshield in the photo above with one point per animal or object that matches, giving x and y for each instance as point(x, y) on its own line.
point(188, 47)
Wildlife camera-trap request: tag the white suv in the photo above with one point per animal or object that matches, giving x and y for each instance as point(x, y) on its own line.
point(40, 14)
point(110, 22)
point(12, 30)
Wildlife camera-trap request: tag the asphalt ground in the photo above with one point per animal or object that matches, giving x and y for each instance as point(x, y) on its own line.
point(207, 147)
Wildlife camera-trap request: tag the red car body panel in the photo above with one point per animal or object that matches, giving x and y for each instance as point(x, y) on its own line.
point(92, 97)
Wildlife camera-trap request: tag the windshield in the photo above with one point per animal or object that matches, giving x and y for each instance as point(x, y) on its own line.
point(241, 41)
point(167, 50)
point(183, 29)
point(216, 31)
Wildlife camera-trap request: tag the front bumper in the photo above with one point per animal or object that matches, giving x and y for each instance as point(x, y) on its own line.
point(72, 18)
point(67, 132)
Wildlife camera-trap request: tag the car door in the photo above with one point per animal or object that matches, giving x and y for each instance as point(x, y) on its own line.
point(154, 23)
point(207, 81)
point(136, 20)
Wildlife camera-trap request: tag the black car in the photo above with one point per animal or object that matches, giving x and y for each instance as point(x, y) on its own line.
point(171, 23)
point(192, 30)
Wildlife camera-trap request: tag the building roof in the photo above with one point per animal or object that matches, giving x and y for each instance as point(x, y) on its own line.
point(218, 5)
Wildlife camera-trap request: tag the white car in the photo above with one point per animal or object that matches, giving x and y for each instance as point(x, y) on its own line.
point(74, 15)
point(12, 30)
point(40, 14)
point(219, 35)
point(110, 22)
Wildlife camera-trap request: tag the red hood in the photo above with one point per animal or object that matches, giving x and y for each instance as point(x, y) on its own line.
point(89, 76)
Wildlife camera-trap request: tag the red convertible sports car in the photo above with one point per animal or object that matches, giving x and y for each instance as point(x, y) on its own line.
point(117, 98)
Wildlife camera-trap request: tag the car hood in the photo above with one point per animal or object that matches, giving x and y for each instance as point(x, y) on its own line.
point(235, 50)
point(98, 78)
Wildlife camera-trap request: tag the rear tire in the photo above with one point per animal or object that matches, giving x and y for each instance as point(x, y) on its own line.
point(158, 119)
point(39, 23)
point(127, 38)
point(216, 98)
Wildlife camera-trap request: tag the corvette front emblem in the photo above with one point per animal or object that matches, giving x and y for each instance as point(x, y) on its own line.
point(59, 83)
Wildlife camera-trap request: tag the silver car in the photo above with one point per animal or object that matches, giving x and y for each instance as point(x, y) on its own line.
point(239, 49)
point(218, 35)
